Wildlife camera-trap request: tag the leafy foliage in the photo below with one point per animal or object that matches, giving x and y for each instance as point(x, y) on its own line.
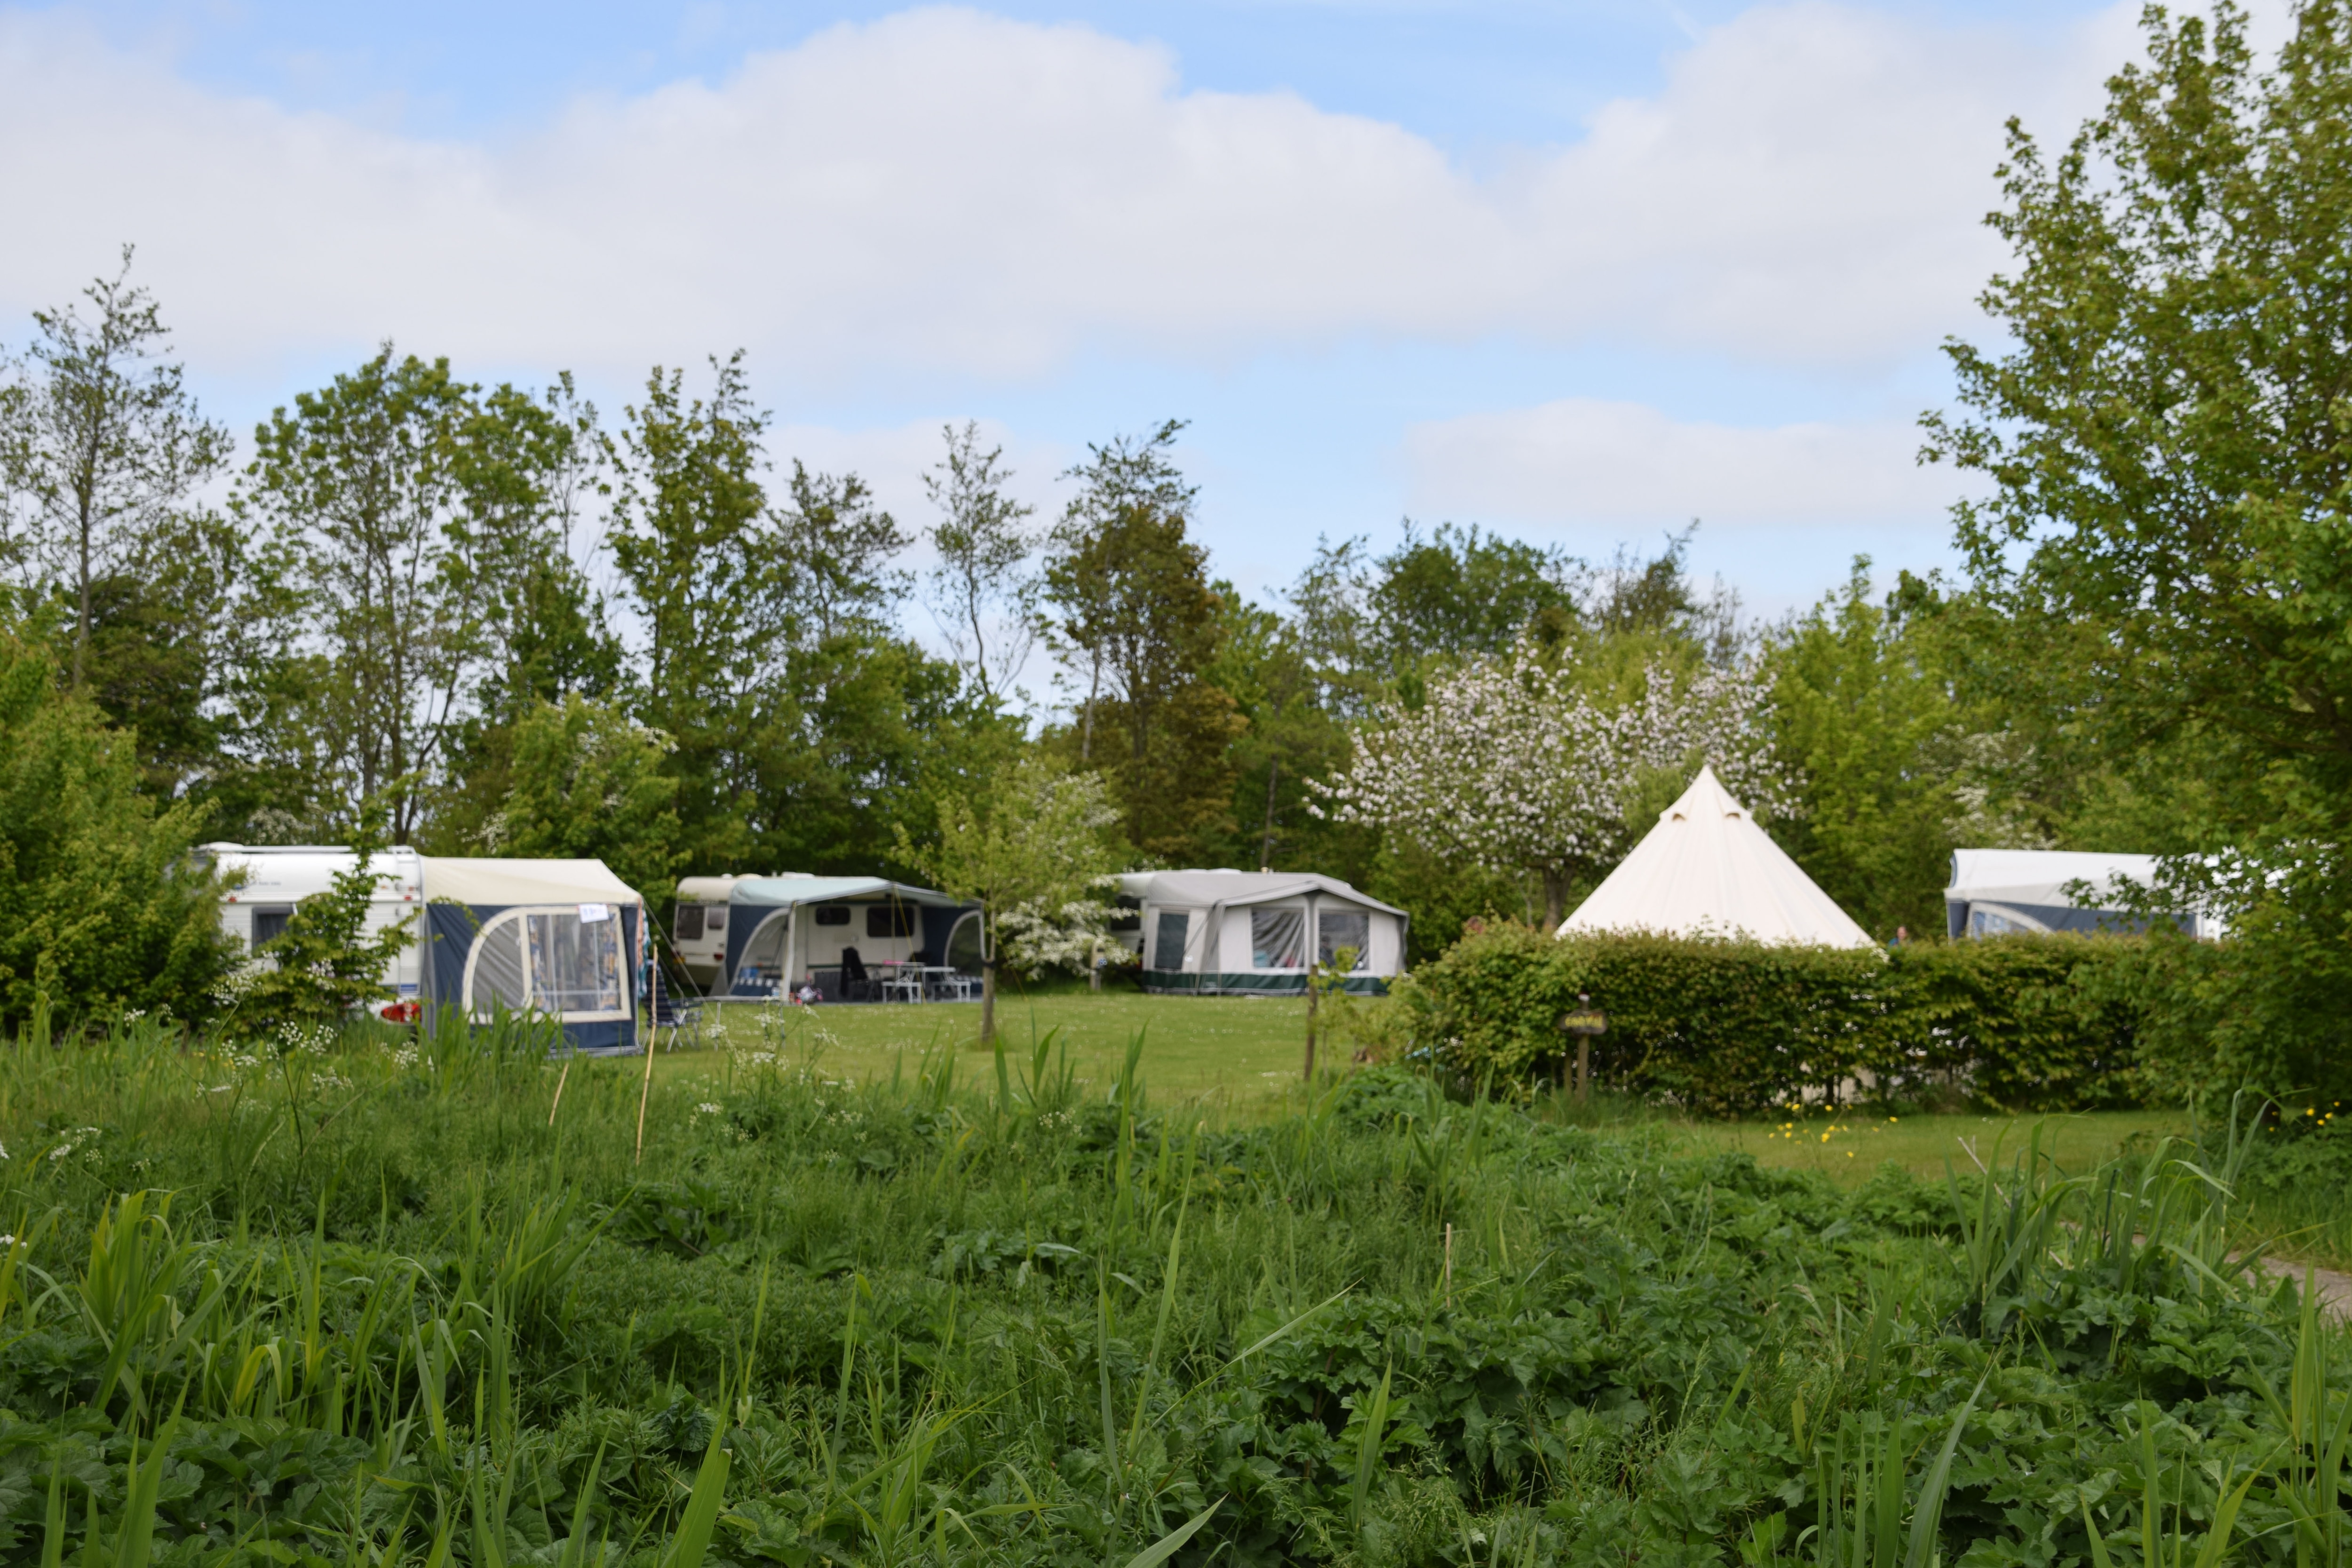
point(100, 905)
point(1521, 764)
point(828, 1321)
point(588, 783)
point(2048, 1022)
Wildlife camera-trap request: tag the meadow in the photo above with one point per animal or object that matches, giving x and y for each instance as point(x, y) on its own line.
point(388, 1299)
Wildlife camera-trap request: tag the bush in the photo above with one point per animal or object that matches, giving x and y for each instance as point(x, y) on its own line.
point(100, 905)
point(1732, 1025)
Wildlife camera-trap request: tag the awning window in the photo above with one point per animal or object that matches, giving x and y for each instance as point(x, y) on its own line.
point(1336, 929)
point(1278, 939)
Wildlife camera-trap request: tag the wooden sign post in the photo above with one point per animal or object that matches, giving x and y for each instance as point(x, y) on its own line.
point(1584, 1022)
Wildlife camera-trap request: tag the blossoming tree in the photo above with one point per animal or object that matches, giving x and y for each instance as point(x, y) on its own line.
point(1519, 767)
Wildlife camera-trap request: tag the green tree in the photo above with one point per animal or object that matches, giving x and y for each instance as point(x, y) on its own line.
point(101, 904)
point(588, 783)
point(1034, 839)
point(547, 628)
point(837, 546)
point(1863, 707)
point(399, 505)
point(688, 537)
point(101, 451)
point(1136, 616)
point(980, 594)
point(2169, 440)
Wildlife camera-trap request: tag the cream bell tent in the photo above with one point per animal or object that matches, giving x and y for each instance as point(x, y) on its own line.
point(1708, 869)
point(1997, 891)
point(563, 939)
point(1252, 933)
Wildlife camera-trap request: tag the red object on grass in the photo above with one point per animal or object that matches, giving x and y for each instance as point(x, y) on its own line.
point(401, 1012)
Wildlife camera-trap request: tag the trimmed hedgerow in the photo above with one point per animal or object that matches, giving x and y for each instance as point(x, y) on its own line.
point(1734, 1025)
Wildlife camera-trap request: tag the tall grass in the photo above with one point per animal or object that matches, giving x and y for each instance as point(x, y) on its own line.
point(387, 1298)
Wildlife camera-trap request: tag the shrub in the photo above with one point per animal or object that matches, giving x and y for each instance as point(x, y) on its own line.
point(101, 906)
point(1734, 1025)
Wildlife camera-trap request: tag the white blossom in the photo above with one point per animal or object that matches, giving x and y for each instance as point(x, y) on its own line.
point(1515, 766)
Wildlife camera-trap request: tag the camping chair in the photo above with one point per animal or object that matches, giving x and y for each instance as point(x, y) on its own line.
point(856, 985)
point(679, 1015)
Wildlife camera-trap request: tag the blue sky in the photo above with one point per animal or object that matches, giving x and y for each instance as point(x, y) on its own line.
point(1577, 271)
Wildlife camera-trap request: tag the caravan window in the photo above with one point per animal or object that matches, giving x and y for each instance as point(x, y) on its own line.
point(269, 923)
point(1168, 952)
point(832, 914)
point(547, 960)
point(1336, 929)
point(1278, 939)
point(889, 920)
point(689, 922)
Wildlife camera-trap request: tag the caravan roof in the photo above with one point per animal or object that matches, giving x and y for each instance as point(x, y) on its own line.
point(1995, 891)
point(805, 889)
point(1240, 888)
point(288, 873)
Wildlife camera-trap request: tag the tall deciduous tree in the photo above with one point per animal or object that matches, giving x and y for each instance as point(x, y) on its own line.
point(980, 594)
point(1515, 764)
point(101, 451)
point(588, 783)
point(2168, 437)
point(1138, 617)
point(837, 550)
point(687, 538)
point(393, 500)
point(1863, 705)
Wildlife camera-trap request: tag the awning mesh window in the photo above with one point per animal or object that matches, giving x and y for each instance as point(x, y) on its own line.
point(1278, 939)
point(575, 967)
point(1336, 929)
point(547, 962)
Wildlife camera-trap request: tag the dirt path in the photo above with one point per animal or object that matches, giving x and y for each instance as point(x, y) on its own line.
point(2333, 1289)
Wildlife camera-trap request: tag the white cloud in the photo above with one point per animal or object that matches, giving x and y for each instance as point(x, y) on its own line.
point(944, 190)
point(1586, 462)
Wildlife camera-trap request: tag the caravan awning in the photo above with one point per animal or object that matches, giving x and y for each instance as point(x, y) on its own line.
point(486, 883)
point(784, 891)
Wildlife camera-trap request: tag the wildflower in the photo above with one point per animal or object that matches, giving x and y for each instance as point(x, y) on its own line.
point(706, 1109)
point(7, 1241)
point(61, 1150)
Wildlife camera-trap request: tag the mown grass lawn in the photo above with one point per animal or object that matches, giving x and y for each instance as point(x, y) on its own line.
point(1230, 1053)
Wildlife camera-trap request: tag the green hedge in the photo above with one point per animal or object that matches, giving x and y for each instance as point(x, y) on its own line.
point(2021, 1022)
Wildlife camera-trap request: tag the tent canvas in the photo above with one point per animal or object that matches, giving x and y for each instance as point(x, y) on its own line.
point(561, 938)
point(1708, 869)
point(794, 926)
point(1227, 933)
point(1997, 891)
